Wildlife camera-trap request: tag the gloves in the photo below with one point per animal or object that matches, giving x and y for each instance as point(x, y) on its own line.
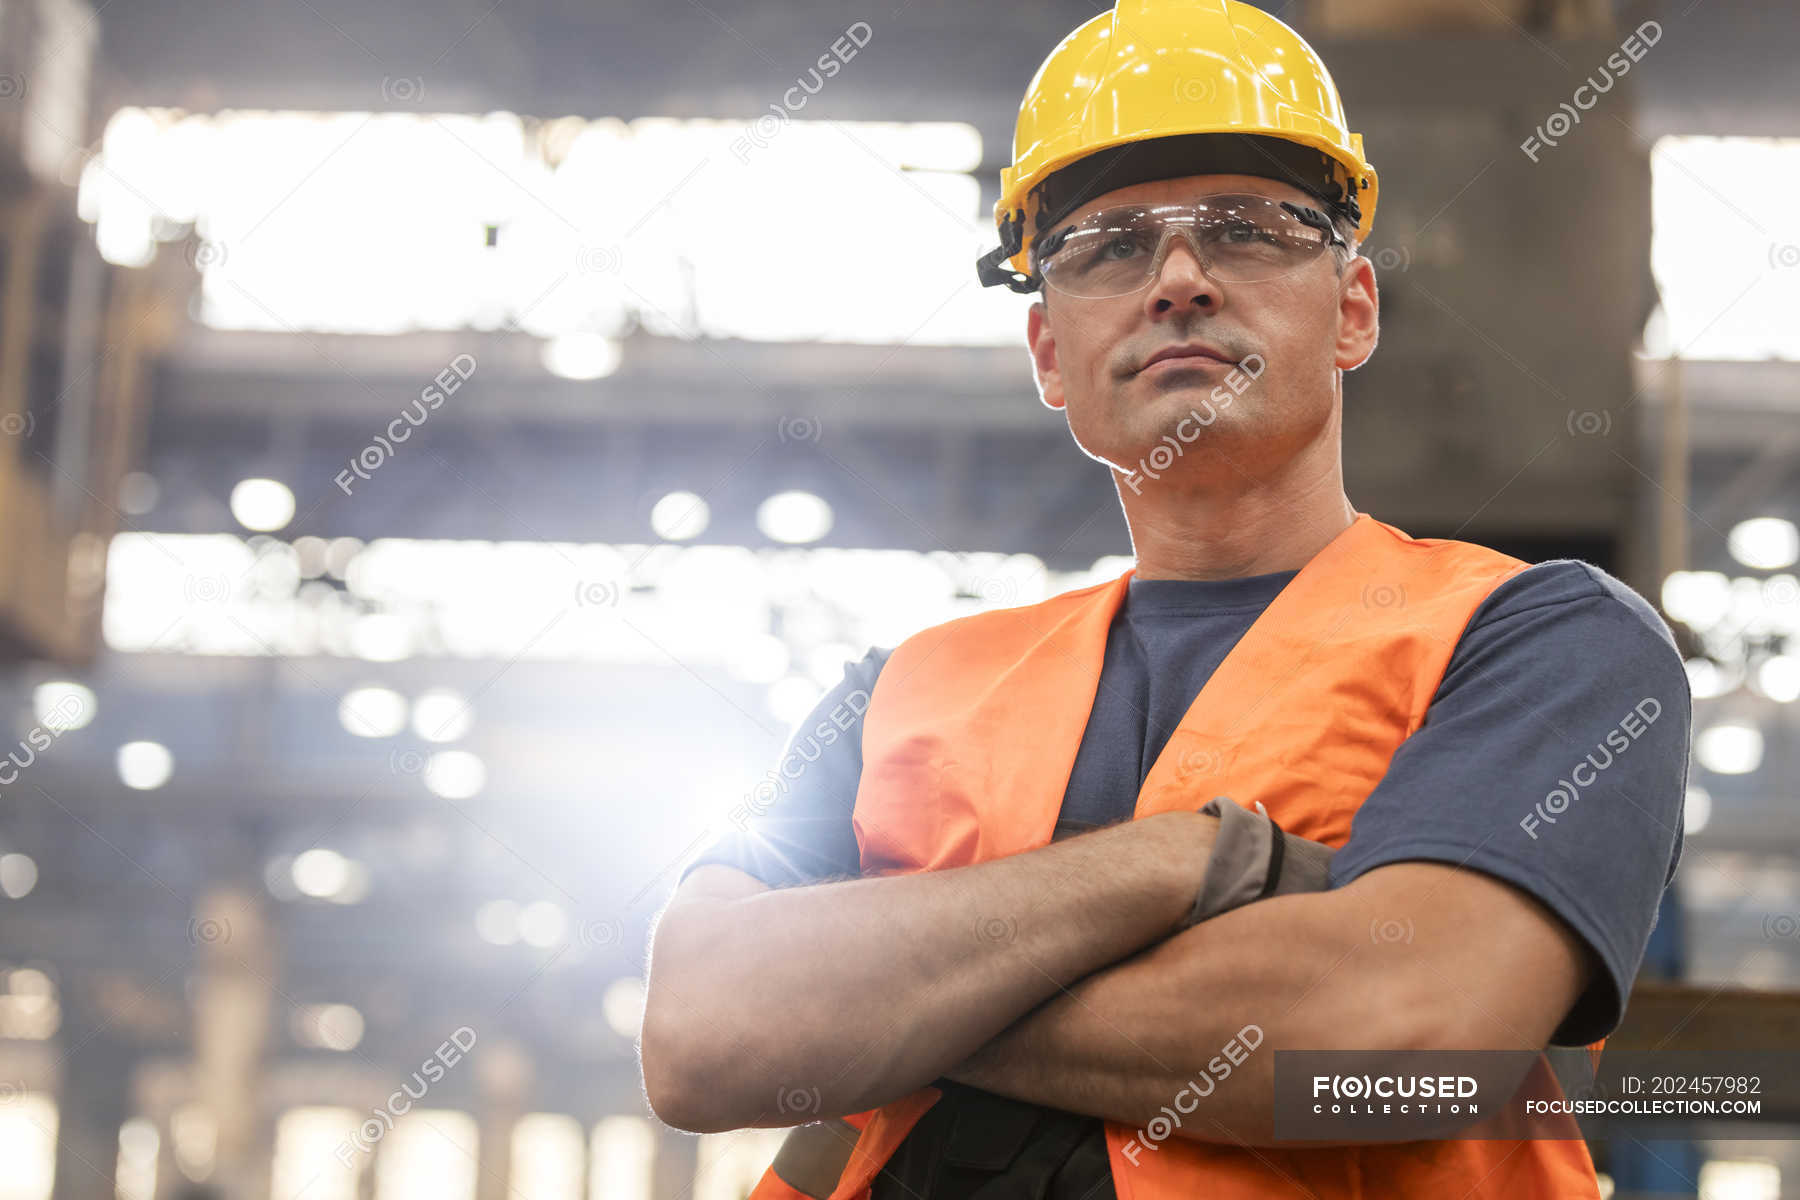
point(1252, 859)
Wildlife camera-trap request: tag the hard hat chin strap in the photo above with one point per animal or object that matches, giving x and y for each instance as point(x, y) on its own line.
point(989, 266)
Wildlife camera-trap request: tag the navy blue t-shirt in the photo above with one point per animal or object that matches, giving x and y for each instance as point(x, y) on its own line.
point(1554, 756)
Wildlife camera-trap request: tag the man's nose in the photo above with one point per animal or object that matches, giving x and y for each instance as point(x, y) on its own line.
point(1181, 280)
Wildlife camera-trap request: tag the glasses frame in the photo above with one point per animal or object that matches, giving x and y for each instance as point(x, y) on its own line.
point(1046, 247)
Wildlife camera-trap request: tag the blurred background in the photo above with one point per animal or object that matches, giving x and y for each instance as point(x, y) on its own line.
point(444, 447)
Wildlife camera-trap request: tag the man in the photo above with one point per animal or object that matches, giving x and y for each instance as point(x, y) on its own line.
point(1295, 772)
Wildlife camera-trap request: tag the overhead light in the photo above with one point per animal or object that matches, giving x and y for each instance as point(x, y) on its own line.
point(794, 517)
point(1751, 1178)
point(545, 277)
point(321, 873)
point(581, 355)
point(761, 659)
point(454, 774)
point(262, 504)
point(18, 875)
point(138, 493)
point(1696, 812)
point(679, 516)
point(826, 663)
point(497, 922)
point(542, 924)
point(1748, 253)
point(145, 765)
point(1779, 678)
point(328, 1026)
point(441, 715)
point(1729, 748)
point(792, 698)
point(1764, 543)
point(623, 1005)
point(1706, 680)
point(1697, 598)
point(381, 637)
point(62, 705)
point(372, 712)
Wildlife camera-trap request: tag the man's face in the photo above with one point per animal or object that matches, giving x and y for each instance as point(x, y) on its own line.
point(1090, 356)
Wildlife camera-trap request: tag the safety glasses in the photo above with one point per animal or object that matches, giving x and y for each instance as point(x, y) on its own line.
point(1237, 238)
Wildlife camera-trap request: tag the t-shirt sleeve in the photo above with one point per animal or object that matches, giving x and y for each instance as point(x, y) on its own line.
point(793, 827)
point(1554, 756)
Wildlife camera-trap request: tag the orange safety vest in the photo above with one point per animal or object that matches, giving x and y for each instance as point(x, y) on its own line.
point(971, 735)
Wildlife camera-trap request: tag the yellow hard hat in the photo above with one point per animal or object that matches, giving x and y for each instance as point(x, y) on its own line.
point(1156, 89)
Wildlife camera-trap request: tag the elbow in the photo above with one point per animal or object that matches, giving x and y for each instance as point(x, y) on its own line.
point(670, 1079)
point(677, 1045)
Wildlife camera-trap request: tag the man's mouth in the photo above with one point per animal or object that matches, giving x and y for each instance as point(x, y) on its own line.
point(1189, 356)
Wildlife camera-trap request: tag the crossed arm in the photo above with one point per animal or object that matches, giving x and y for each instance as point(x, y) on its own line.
point(1056, 977)
point(1411, 956)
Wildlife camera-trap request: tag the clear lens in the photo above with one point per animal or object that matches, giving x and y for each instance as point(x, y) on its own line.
point(1238, 239)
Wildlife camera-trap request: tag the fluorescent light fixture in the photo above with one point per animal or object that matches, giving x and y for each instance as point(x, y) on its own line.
point(262, 504)
point(1764, 543)
point(145, 765)
point(1729, 748)
point(1723, 248)
point(794, 517)
point(569, 230)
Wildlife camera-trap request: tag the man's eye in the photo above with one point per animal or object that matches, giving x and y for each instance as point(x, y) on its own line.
point(1121, 246)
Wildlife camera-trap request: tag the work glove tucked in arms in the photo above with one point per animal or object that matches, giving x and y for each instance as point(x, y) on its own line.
point(1252, 859)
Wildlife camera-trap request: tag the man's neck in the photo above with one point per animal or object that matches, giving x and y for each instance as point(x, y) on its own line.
point(1230, 536)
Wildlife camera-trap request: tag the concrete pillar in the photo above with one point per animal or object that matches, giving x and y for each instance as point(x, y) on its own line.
point(93, 1098)
point(503, 1075)
point(234, 988)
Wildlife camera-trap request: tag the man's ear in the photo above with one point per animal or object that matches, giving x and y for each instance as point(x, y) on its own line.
point(1359, 315)
point(1043, 355)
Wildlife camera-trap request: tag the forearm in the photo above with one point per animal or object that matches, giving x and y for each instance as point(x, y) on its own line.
point(847, 995)
point(1125, 1042)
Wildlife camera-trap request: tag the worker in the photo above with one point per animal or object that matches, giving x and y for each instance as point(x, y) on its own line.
point(1029, 872)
